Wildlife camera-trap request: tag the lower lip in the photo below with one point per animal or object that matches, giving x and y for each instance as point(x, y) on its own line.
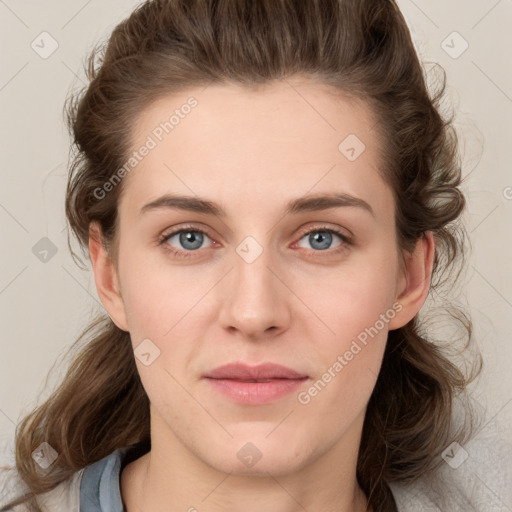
point(256, 393)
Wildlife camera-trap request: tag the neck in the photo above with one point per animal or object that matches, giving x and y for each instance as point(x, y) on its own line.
point(171, 477)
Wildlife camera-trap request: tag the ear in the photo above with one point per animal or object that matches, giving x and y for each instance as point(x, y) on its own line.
point(414, 283)
point(106, 278)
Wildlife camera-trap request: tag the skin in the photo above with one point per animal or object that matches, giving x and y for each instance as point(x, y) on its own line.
point(251, 151)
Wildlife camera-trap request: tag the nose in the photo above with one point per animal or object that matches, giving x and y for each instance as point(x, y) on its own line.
point(255, 299)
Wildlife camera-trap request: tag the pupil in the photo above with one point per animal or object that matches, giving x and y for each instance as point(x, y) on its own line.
point(191, 237)
point(322, 238)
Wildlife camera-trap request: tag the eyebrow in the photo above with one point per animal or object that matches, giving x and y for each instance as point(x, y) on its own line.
point(309, 203)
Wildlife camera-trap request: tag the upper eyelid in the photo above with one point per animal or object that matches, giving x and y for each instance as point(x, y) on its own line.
point(184, 229)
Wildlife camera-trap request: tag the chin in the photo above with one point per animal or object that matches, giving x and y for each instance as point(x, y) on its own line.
point(258, 456)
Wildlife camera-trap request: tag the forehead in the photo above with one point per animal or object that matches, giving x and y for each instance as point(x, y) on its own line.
point(235, 143)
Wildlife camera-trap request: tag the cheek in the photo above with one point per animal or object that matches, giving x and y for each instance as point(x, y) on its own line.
point(157, 295)
point(353, 296)
point(355, 304)
point(348, 365)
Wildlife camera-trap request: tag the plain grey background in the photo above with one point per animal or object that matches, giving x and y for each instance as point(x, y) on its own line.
point(45, 304)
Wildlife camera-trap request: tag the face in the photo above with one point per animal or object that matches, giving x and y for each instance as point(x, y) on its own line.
point(251, 270)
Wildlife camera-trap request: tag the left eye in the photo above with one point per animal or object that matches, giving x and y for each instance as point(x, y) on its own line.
point(189, 239)
point(321, 239)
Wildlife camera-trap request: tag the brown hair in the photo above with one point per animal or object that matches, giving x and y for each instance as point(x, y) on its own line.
point(361, 48)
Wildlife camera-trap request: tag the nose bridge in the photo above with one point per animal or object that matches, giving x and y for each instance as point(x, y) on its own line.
point(255, 300)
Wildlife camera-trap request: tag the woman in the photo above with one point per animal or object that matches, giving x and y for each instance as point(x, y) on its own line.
point(268, 194)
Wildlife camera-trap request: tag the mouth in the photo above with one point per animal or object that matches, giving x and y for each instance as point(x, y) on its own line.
point(261, 372)
point(255, 385)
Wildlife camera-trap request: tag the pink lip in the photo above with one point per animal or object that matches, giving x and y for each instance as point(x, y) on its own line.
point(241, 371)
point(255, 385)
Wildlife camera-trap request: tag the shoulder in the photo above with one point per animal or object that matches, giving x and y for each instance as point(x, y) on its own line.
point(100, 489)
point(63, 498)
point(95, 487)
point(476, 477)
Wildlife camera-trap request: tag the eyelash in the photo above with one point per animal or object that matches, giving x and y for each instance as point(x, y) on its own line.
point(187, 254)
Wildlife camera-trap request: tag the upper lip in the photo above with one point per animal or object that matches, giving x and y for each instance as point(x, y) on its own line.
point(241, 371)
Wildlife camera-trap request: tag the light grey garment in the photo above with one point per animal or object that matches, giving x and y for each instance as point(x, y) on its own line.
point(99, 488)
